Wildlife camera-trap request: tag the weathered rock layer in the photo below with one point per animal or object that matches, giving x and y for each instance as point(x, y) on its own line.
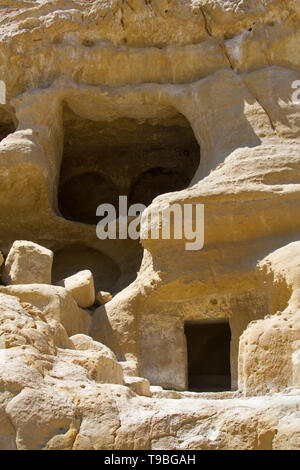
point(191, 98)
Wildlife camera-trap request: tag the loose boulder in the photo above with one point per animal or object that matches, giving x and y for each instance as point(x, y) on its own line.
point(138, 385)
point(27, 263)
point(81, 287)
point(103, 297)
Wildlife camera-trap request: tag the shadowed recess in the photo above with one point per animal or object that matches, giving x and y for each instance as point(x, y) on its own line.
point(139, 159)
point(7, 125)
point(208, 347)
point(75, 258)
point(150, 184)
point(80, 196)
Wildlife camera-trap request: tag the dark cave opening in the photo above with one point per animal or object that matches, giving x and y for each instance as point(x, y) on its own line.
point(153, 182)
point(104, 159)
point(208, 350)
point(82, 194)
point(7, 124)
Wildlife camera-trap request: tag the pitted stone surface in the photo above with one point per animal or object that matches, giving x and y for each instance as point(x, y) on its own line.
point(181, 102)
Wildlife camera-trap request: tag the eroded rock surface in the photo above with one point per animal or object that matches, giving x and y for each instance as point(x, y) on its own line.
point(55, 303)
point(53, 397)
point(183, 102)
point(28, 263)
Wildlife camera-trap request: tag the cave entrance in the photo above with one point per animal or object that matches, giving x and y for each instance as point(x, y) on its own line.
point(141, 159)
point(208, 351)
point(7, 123)
point(106, 155)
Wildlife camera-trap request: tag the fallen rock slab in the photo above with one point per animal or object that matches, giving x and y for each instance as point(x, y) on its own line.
point(138, 385)
point(27, 263)
point(81, 287)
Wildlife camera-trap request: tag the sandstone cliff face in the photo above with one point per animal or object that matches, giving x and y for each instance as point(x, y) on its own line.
point(190, 98)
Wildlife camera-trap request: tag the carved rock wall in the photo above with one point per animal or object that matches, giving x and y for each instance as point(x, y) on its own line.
point(206, 88)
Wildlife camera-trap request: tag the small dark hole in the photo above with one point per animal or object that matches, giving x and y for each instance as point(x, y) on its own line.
point(88, 43)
